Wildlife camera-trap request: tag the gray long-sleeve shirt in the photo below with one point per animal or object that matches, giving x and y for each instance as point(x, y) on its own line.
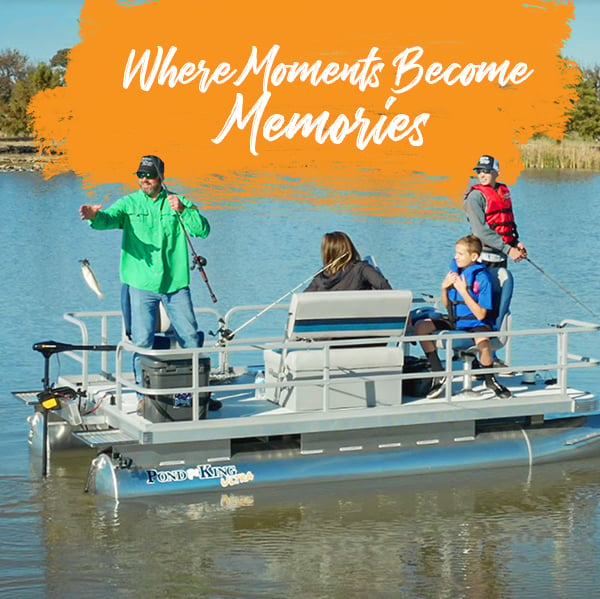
point(494, 247)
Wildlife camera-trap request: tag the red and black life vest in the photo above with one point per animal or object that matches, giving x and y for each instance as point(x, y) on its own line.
point(498, 211)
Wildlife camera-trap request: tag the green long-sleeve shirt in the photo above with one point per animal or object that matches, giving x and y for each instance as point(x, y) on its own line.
point(154, 254)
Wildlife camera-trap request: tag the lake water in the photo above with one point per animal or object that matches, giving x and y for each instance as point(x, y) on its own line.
point(510, 533)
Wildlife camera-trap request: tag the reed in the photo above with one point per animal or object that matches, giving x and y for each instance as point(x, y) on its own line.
point(566, 154)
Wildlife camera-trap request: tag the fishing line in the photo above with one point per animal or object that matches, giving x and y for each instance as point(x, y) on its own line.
point(563, 288)
point(229, 335)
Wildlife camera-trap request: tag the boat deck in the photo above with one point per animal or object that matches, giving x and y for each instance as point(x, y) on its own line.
point(243, 415)
point(330, 387)
point(372, 367)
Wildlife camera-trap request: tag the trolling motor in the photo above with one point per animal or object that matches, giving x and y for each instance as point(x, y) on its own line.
point(49, 348)
point(56, 398)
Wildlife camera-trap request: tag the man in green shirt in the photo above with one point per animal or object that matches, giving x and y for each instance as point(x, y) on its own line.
point(154, 256)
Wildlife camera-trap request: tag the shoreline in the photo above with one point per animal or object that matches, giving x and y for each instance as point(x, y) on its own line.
point(19, 154)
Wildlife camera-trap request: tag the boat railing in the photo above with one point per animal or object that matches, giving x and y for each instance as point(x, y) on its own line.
point(79, 319)
point(222, 352)
point(230, 316)
point(565, 360)
point(108, 328)
point(123, 382)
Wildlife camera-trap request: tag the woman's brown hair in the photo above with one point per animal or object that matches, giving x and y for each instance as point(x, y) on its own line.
point(337, 246)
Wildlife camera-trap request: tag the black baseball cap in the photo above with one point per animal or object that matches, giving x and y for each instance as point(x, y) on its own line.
point(487, 162)
point(151, 165)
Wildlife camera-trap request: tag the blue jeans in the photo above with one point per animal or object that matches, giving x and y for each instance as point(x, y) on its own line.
point(144, 318)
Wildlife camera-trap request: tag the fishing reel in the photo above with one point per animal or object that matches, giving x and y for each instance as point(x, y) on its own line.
point(198, 262)
point(223, 333)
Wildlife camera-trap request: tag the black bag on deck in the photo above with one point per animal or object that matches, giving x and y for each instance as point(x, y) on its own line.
point(416, 387)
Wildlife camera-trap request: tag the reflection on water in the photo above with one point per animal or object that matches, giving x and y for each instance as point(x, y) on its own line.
point(510, 533)
point(466, 535)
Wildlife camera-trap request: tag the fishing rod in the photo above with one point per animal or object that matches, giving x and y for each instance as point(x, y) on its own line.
point(562, 288)
point(198, 262)
point(228, 335)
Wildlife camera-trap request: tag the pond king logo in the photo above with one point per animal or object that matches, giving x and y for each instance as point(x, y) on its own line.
point(228, 475)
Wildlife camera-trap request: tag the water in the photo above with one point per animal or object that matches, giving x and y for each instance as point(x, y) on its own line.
point(510, 533)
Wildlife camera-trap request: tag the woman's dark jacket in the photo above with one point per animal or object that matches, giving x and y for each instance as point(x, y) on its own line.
point(357, 275)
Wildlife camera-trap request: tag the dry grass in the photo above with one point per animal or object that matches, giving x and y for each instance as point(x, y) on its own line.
point(567, 154)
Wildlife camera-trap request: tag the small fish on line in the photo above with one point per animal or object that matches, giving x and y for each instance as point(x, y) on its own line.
point(90, 278)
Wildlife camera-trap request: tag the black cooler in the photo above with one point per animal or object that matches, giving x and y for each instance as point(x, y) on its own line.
point(168, 374)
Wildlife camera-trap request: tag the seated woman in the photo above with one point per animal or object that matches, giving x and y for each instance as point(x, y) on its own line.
point(343, 270)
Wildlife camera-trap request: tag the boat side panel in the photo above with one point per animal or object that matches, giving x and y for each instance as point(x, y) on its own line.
point(522, 448)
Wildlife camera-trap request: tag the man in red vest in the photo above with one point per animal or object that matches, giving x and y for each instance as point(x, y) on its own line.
point(490, 214)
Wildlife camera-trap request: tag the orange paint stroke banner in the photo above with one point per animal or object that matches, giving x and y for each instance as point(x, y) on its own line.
point(373, 109)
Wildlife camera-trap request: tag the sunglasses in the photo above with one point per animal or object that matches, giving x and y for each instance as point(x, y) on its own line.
point(141, 175)
point(486, 171)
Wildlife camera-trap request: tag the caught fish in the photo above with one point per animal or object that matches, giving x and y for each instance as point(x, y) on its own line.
point(90, 278)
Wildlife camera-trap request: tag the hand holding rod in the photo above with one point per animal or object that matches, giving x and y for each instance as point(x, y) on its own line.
point(197, 260)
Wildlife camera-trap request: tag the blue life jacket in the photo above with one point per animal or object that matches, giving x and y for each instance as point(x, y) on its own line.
point(459, 312)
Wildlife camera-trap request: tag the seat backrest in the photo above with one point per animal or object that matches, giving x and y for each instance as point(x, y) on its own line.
point(348, 314)
point(503, 285)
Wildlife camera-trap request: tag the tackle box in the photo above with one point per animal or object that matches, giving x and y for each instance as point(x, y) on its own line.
point(168, 374)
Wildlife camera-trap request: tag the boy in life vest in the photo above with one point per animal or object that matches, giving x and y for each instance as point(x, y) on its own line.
point(467, 296)
point(490, 214)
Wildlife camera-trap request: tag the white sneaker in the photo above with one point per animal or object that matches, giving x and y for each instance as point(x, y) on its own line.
point(438, 389)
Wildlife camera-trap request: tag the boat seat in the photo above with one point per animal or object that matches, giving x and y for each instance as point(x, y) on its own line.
point(328, 316)
point(465, 349)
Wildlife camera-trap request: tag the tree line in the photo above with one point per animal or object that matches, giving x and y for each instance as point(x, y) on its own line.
point(20, 80)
